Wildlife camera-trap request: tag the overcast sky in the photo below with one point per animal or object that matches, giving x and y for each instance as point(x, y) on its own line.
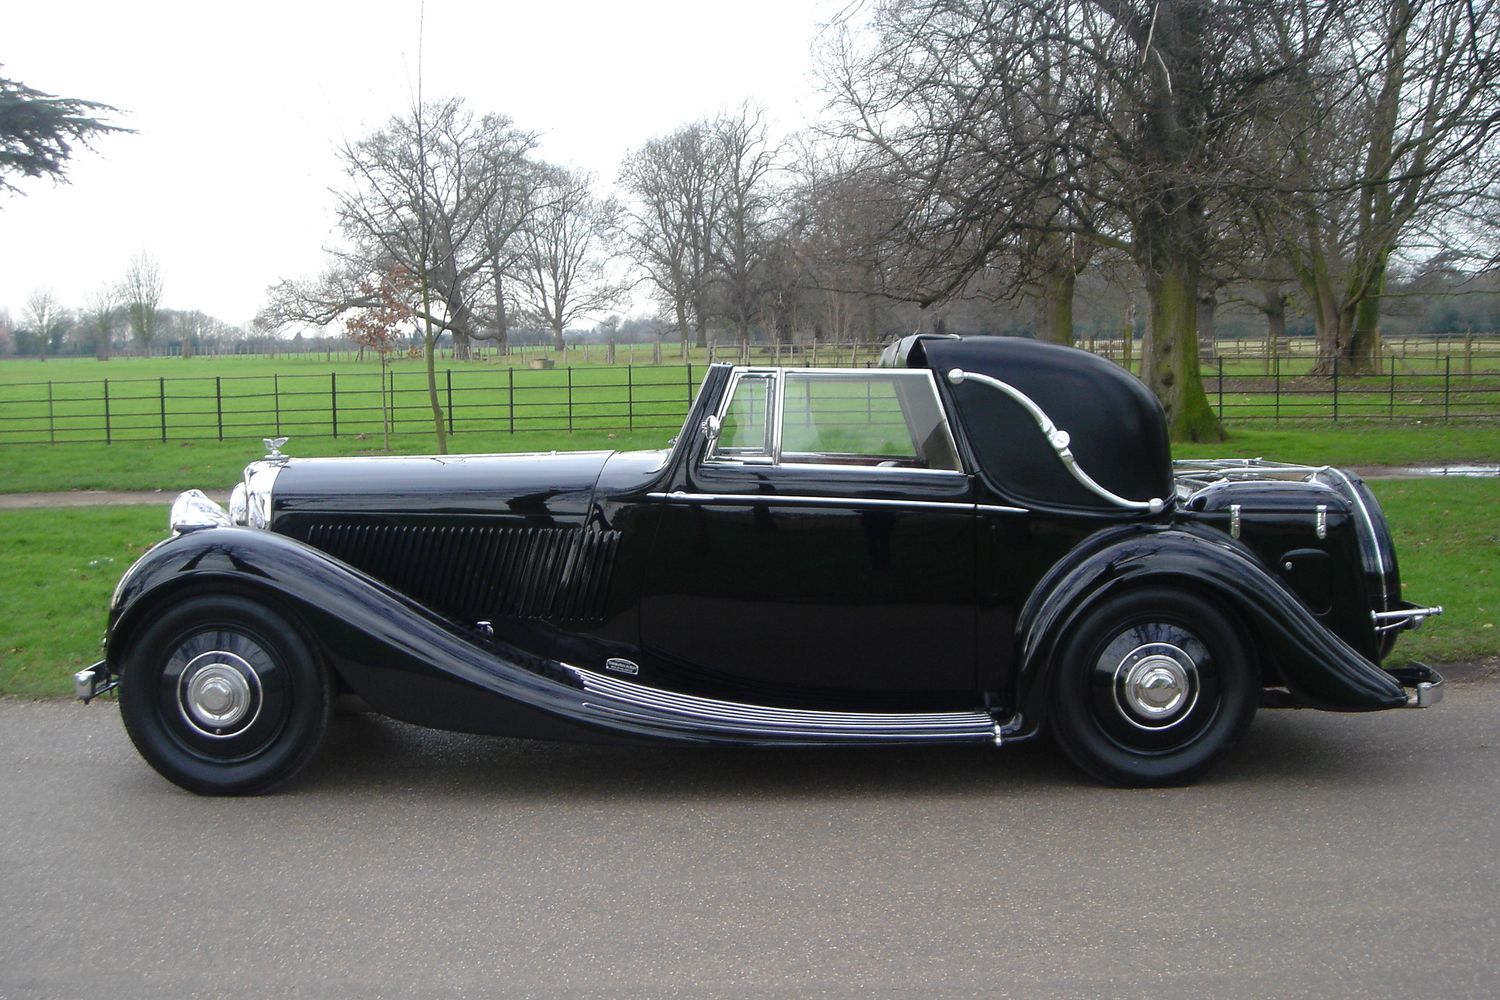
point(238, 108)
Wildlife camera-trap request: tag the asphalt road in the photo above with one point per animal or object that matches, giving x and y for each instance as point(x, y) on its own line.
point(1334, 856)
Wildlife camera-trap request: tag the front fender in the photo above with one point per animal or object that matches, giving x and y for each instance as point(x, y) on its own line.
point(400, 657)
point(1319, 668)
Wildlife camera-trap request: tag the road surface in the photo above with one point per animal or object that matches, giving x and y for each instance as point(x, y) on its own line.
point(1333, 856)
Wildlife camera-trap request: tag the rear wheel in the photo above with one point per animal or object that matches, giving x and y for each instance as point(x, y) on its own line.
point(1153, 687)
point(222, 696)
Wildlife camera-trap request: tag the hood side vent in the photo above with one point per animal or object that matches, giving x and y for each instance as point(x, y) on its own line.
point(483, 573)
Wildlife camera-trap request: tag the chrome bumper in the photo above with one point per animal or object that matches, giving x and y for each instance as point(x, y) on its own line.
point(90, 683)
point(1425, 685)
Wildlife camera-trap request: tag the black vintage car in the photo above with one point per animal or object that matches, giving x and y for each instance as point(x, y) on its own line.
point(977, 541)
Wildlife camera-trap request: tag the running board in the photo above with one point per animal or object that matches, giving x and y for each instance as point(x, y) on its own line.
point(734, 720)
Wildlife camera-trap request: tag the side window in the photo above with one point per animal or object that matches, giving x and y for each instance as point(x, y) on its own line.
point(886, 419)
point(876, 419)
point(745, 429)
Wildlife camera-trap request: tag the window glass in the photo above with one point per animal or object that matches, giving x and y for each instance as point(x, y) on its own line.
point(890, 419)
point(746, 422)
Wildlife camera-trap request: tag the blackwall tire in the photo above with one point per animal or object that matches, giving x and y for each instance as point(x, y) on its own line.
point(1152, 687)
point(222, 696)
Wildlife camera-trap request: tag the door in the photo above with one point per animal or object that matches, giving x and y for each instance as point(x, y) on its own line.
point(823, 552)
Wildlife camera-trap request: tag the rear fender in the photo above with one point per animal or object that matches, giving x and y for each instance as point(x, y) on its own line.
point(1319, 668)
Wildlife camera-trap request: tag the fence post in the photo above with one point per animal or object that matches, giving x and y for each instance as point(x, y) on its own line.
point(690, 383)
point(1221, 388)
point(161, 393)
point(51, 423)
point(1335, 388)
point(108, 435)
point(333, 396)
point(449, 373)
point(570, 399)
point(629, 397)
point(219, 404)
point(276, 399)
point(1276, 389)
point(1447, 383)
point(1390, 412)
point(510, 397)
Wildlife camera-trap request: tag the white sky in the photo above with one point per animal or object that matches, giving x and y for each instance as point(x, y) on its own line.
point(238, 109)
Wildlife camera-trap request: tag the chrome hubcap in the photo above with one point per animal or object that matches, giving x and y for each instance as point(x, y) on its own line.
point(1156, 685)
point(219, 693)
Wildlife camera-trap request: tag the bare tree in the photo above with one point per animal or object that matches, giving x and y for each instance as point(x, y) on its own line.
point(423, 195)
point(48, 321)
point(564, 273)
point(502, 229)
point(669, 226)
point(743, 160)
point(141, 292)
point(100, 318)
point(969, 109)
point(1391, 141)
point(1150, 108)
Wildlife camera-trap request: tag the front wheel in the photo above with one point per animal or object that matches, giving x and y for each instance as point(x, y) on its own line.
point(222, 696)
point(1152, 687)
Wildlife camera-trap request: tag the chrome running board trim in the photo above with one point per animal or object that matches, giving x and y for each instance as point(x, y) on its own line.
point(764, 722)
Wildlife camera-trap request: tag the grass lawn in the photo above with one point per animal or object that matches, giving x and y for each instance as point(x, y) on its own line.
point(60, 566)
point(58, 570)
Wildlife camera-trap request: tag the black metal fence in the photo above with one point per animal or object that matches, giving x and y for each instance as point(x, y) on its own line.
point(345, 404)
point(1444, 390)
point(490, 399)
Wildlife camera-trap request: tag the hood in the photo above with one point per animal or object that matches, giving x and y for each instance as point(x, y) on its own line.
point(537, 489)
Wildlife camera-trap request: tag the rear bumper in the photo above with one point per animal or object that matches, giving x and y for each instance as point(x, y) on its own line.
point(91, 682)
point(1424, 685)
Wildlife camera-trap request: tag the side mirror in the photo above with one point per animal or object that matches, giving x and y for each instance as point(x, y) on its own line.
point(711, 428)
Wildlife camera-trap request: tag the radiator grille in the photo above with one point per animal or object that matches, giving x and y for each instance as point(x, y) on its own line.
point(479, 573)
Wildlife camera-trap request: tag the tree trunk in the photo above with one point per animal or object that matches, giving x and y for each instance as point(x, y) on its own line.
point(429, 343)
point(1171, 224)
point(1363, 355)
point(1056, 290)
point(1273, 304)
point(682, 323)
point(502, 323)
point(1169, 364)
point(558, 344)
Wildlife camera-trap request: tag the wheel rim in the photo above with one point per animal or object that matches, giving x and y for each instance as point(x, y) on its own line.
point(223, 695)
point(1154, 687)
point(219, 694)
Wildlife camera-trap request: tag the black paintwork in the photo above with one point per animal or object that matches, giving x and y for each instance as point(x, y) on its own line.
point(391, 565)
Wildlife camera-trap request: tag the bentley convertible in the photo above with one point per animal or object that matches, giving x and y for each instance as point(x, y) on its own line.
point(978, 541)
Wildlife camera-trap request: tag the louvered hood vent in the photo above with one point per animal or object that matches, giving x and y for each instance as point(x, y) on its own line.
point(483, 573)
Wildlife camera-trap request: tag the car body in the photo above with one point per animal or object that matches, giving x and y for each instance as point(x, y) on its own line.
point(977, 541)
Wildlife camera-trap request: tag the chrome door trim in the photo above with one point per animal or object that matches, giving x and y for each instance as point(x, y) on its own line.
point(678, 496)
